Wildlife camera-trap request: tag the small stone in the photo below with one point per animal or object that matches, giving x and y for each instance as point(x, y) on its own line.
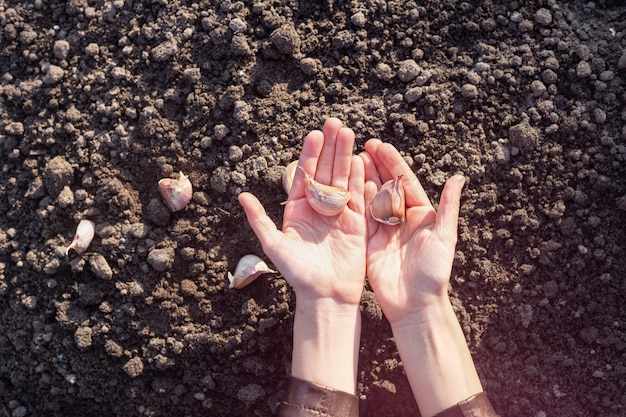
point(358, 19)
point(161, 259)
point(134, 367)
point(100, 267)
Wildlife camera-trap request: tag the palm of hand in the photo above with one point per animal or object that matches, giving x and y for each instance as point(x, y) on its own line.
point(409, 265)
point(324, 255)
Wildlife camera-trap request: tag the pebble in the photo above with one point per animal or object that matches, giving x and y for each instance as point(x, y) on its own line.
point(100, 267)
point(161, 259)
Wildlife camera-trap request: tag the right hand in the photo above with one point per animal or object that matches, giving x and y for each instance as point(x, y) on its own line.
point(409, 265)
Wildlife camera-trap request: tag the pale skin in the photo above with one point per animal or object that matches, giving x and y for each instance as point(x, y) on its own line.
point(408, 267)
point(325, 260)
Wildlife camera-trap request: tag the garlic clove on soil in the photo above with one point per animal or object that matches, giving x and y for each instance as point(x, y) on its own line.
point(176, 192)
point(388, 205)
point(249, 268)
point(85, 232)
point(327, 200)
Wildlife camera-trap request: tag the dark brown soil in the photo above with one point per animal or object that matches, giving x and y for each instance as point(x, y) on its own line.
point(101, 99)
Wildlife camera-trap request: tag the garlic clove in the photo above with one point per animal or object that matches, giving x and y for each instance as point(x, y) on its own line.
point(327, 200)
point(388, 205)
point(85, 232)
point(288, 175)
point(249, 268)
point(176, 192)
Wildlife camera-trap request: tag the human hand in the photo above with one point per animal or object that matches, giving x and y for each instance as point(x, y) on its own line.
point(321, 257)
point(409, 265)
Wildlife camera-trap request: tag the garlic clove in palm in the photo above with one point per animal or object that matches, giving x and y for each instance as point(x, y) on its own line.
point(327, 200)
point(288, 175)
point(249, 268)
point(388, 205)
point(176, 192)
point(85, 232)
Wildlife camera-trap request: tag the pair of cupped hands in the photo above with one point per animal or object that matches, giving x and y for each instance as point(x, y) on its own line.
point(326, 259)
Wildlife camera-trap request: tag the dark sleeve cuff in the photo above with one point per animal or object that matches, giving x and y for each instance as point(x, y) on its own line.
point(306, 399)
point(475, 406)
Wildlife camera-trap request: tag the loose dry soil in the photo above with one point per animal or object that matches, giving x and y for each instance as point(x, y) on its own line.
point(101, 99)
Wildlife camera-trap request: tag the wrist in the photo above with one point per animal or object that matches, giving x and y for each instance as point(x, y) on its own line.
point(436, 357)
point(326, 343)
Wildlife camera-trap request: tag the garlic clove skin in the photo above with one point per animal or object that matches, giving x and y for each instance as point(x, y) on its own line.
point(176, 192)
point(249, 268)
point(327, 200)
point(85, 232)
point(388, 205)
point(288, 175)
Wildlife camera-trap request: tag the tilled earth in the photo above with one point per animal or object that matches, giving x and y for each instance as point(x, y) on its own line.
point(101, 99)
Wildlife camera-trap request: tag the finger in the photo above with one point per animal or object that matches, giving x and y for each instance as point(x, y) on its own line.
point(263, 227)
point(370, 191)
point(343, 157)
point(371, 146)
point(309, 156)
point(396, 165)
point(449, 206)
point(356, 185)
point(326, 162)
point(371, 173)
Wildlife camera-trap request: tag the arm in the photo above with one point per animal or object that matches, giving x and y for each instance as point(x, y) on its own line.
point(322, 258)
point(409, 268)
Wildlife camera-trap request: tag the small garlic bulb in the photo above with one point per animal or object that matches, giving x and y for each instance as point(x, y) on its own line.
point(388, 205)
point(288, 175)
point(249, 268)
point(85, 231)
point(325, 199)
point(176, 192)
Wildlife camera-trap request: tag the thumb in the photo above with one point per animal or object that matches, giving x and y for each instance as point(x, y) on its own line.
point(263, 227)
point(449, 206)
